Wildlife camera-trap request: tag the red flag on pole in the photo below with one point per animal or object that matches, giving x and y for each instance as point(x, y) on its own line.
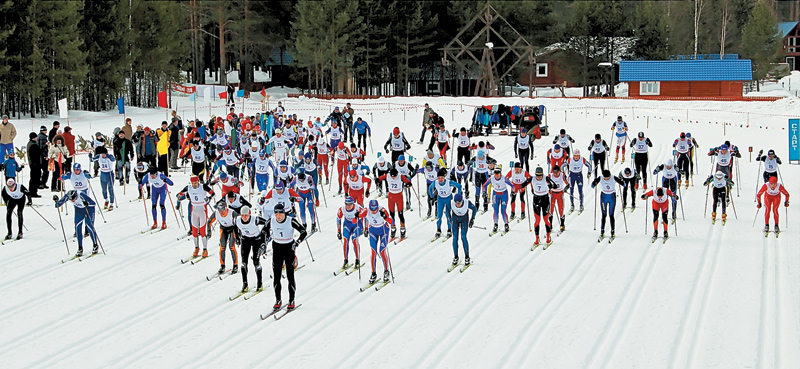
point(263, 92)
point(223, 95)
point(162, 99)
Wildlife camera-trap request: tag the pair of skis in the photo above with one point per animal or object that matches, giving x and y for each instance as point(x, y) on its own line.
point(610, 239)
point(246, 293)
point(279, 313)
point(462, 268)
point(379, 284)
point(79, 258)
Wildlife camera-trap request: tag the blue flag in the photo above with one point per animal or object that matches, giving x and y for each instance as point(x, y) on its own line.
point(240, 93)
point(121, 105)
point(193, 97)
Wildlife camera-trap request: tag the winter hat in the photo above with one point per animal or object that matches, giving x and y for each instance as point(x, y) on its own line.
point(719, 174)
point(660, 192)
point(279, 185)
point(442, 172)
point(557, 147)
point(349, 201)
point(563, 131)
point(576, 152)
point(518, 165)
point(245, 210)
point(539, 171)
point(596, 136)
point(606, 173)
point(42, 128)
point(458, 197)
point(10, 182)
point(396, 131)
point(773, 180)
point(401, 158)
point(32, 135)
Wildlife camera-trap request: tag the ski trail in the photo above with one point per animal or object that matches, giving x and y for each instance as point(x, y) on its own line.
point(680, 354)
point(564, 291)
point(769, 334)
point(616, 327)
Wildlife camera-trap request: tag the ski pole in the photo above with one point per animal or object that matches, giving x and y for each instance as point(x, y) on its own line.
point(173, 210)
point(63, 232)
point(732, 204)
point(683, 215)
point(309, 250)
point(646, 206)
point(388, 259)
point(43, 218)
point(95, 200)
point(624, 217)
point(146, 217)
point(705, 209)
point(479, 227)
point(676, 224)
point(358, 253)
point(527, 205)
point(756, 216)
point(755, 198)
point(323, 188)
point(595, 208)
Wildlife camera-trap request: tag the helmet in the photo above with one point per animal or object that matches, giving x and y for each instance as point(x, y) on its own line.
point(660, 192)
point(72, 195)
point(772, 180)
point(606, 173)
point(279, 208)
point(557, 147)
point(539, 171)
point(719, 174)
point(576, 152)
point(393, 172)
point(349, 201)
point(373, 205)
point(401, 158)
point(10, 182)
point(458, 197)
point(194, 179)
point(396, 131)
point(641, 134)
point(279, 186)
point(76, 167)
point(442, 172)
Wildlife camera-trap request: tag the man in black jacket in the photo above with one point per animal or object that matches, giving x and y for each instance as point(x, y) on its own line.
point(174, 143)
point(36, 161)
point(123, 152)
point(43, 141)
point(53, 131)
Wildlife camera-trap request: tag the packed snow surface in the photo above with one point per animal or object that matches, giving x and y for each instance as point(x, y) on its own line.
point(711, 296)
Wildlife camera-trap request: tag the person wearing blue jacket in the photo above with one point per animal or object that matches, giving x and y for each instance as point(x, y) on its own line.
point(106, 162)
point(11, 167)
point(442, 189)
point(461, 221)
point(363, 129)
point(84, 216)
point(158, 183)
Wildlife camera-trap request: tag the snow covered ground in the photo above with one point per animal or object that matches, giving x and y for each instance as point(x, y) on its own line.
point(712, 296)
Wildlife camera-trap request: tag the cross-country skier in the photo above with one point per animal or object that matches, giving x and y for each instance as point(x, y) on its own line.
point(198, 195)
point(641, 157)
point(771, 162)
point(461, 174)
point(771, 190)
point(263, 165)
point(158, 184)
point(598, 148)
point(523, 146)
point(79, 178)
point(251, 234)
point(323, 158)
point(281, 228)
point(720, 194)
point(669, 180)
point(84, 217)
point(15, 195)
point(541, 202)
point(227, 238)
point(442, 190)
point(357, 186)
point(461, 221)
point(576, 164)
point(556, 157)
point(443, 142)
point(285, 173)
point(608, 200)
point(660, 205)
point(404, 168)
point(621, 131)
point(430, 174)
point(377, 222)
point(235, 201)
point(724, 159)
point(362, 128)
point(395, 182)
point(308, 201)
point(354, 153)
point(283, 195)
point(198, 155)
point(629, 180)
point(557, 195)
point(379, 170)
point(519, 179)
point(480, 167)
point(348, 228)
point(141, 170)
point(106, 165)
point(565, 140)
point(342, 159)
point(500, 188)
point(397, 143)
point(682, 146)
point(462, 144)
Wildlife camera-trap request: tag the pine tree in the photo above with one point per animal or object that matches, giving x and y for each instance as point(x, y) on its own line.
point(760, 41)
point(107, 40)
point(651, 32)
point(413, 37)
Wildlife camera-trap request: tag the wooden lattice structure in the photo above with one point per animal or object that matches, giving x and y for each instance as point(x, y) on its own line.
point(486, 41)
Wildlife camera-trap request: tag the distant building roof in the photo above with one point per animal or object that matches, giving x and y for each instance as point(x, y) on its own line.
point(785, 27)
point(686, 70)
point(703, 57)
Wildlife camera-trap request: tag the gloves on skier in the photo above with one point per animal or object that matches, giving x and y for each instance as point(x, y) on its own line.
point(339, 234)
point(471, 223)
point(294, 245)
point(644, 197)
point(786, 203)
point(676, 197)
point(55, 198)
point(178, 206)
point(366, 231)
point(759, 205)
point(367, 193)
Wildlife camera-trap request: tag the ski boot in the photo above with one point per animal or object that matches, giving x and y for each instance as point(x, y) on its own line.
point(327, 181)
point(547, 238)
point(259, 286)
point(291, 306)
point(196, 252)
point(340, 191)
point(386, 276)
point(467, 261)
point(344, 265)
point(645, 186)
point(164, 224)
point(438, 233)
point(633, 207)
point(580, 209)
point(79, 253)
point(393, 232)
point(494, 229)
point(95, 249)
point(666, 235)
point(561, 228)
point(455, 261)
point(506, 228)
point(110, 207)
point(521, 218)
point(19, 236)
point(221, 269)
point(724, 218)
point(235, 269)
point(766, 228)
point(105, 205)
point(373, 278)
point(205, 253)
point(777, 230)
point(655, 235)
point(713, 217)
point(244, 287)
point(8, 237)
point(277, 305)
point(155, 225)
point(313, 227)
point(449, 233)
point(513, 216)
point(429, 213)
point(357, 264)
point(571, 208)
point(402, 232)
point(536, 241)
